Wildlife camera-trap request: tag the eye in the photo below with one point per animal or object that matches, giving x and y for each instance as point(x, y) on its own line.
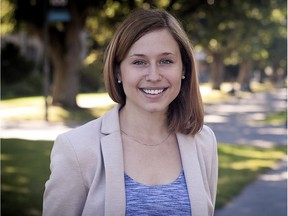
point(138, 62)
point(166, 61)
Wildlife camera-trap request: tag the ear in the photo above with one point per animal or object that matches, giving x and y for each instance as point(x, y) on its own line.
point(183, 71)
point(118, 73)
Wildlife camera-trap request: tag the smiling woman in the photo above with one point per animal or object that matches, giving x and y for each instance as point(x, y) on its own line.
point(151, 153)
point(151, 73)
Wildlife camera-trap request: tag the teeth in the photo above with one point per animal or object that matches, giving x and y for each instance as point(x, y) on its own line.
point(153, 92)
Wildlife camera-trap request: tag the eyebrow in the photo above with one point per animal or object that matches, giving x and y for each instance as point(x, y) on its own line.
point(143, 55)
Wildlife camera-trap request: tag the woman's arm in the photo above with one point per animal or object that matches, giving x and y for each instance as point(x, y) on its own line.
point(65, 193)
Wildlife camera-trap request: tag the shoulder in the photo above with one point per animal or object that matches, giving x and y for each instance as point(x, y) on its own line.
point(93, 130)
point(206, 141)
point(83, 133)
point(206, 134)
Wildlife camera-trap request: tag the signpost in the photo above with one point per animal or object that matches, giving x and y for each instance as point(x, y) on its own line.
point(57, 11)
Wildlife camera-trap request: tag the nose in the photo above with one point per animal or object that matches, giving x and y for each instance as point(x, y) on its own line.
point(153, 74)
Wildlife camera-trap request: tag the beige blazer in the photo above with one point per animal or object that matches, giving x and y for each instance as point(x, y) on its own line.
point(87, 171)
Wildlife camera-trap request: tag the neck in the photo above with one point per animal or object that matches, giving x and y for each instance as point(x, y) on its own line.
point(143, 123)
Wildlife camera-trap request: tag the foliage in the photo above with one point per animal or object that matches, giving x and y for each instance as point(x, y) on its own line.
point(19, 75)
point(92, 73)
point(7, 20)
point(25, 168)
point(238, 31)
point(14, 66)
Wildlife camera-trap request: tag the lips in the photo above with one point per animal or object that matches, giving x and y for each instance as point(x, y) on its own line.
point(153, 91)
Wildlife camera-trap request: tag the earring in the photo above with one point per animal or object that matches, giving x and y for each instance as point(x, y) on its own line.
point(183, 77)
point(119, 81)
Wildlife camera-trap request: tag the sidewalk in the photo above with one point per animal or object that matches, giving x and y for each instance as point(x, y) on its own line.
point(234, 122)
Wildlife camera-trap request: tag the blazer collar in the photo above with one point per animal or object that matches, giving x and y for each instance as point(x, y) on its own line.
point(190, 162)
point(112, 150)
point(110, 122)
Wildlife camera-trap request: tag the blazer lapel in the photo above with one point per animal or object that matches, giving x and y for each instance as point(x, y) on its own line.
point(193, 175)
point(114, 166)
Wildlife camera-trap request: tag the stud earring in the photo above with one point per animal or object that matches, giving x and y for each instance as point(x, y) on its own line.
point(183, 77)
point(119, 81)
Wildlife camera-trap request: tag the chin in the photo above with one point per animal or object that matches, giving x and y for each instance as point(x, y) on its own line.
point(156, 108)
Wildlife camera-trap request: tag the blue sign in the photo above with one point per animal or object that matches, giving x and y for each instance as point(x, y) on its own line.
point(58, 15)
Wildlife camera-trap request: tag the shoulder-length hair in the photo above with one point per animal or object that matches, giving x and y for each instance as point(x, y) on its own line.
point(185, 114)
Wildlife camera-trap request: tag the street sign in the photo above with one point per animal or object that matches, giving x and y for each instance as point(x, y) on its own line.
point(58, 15)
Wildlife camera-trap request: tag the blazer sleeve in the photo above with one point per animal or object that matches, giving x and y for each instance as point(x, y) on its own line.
point(213, 179)
point(65, 192)
point(208, 159)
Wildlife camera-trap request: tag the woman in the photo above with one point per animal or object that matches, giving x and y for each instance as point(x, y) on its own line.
point(151, 154)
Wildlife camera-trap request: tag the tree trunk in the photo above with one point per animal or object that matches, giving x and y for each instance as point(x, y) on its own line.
point(66, 60)
point(217, 70)
point(245, 75)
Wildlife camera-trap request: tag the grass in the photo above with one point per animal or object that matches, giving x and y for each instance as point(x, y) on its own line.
point(278, 118)
point(33, 108)
point(94, 105)
point(240, 165)
point(25, 168)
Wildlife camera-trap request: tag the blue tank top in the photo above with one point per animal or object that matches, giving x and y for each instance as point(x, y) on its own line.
point(159, 200)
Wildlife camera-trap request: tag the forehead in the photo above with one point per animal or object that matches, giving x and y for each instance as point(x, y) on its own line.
point(158, 41)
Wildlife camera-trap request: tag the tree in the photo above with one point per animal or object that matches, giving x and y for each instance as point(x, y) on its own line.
point(65, 46)
point(236, 32)
point(64, 41)
point(229, 31)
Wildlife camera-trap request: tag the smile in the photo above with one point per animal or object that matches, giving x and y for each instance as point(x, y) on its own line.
point(153, 91)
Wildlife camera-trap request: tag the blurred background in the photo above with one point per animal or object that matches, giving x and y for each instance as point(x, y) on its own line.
point(235, 41)
point(52, 81)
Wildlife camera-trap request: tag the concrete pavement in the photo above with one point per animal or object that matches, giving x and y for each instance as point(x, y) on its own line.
point(237, 121)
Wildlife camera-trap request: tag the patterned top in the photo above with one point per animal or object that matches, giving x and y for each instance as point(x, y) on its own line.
point(170, 199)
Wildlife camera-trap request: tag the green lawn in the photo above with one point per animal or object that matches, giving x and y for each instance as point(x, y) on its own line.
point(276, 118)
point(25, 168)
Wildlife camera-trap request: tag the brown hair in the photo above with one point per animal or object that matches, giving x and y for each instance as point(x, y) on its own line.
point(185, 113)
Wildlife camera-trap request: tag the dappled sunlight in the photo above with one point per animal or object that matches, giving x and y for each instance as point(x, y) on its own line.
point(22, 180)
point(210, 96)
point(250, 152)
point(35, 134)
point(240, 165)
point(215, 119)
point(17, 190)
point(5, 157)
point(272, 131)
point(9, 169)
point(262, 143)
point(16, 112)
point(257, 116)
point(94, 100)
point(239, 108)
point(248, 164)
point(274, 177)
point(24, 169)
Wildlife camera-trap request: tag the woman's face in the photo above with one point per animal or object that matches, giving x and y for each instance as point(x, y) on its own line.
point(151, 72)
